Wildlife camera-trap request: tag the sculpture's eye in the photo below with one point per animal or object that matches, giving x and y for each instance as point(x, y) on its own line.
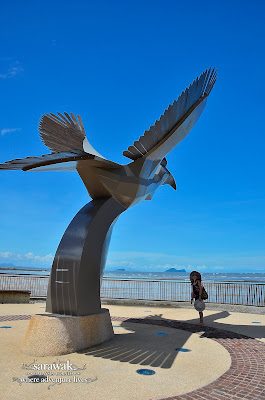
point(160, 171)
point(161, 168)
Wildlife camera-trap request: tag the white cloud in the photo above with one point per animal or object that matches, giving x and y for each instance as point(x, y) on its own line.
point(202, 267)
point(6, 254)
point(147, 261)
point(123, 263)
point(217, 268)
point(8, 130)
point(163, 267)
point(152, 262)
point(25, 260)
point(31, 256)
point(13, 69)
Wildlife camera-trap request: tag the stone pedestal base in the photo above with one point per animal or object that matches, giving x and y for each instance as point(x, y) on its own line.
point(54, 334)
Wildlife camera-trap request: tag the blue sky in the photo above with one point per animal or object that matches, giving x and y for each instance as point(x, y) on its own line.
point(119, 65)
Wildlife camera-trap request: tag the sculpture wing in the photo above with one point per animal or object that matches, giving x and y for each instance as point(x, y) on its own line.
point(176, 122)
point(62, 133)
point(70, 148)
point(62, 161)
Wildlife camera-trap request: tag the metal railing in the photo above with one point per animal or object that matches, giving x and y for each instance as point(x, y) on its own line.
point(36, 284)
point(242, 293)
point(236, 292)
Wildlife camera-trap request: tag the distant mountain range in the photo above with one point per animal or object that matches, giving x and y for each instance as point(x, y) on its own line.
point(10, 265)
point(134, 271)
point(7, 265)
point(175, 270)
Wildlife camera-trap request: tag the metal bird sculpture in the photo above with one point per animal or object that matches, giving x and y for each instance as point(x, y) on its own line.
point(74, 286)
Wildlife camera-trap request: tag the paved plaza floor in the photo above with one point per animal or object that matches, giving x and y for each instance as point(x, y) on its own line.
point(179, 358)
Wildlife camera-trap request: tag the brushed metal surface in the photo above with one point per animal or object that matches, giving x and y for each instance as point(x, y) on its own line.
point(177, 112)
point(79, 262)
point(74, 287)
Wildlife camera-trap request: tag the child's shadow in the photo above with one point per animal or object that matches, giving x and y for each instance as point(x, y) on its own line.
point(251, 331)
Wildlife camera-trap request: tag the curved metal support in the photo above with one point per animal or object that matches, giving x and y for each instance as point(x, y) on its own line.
point(78, 265)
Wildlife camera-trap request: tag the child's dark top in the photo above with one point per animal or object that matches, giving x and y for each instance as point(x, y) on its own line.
point(196, 290)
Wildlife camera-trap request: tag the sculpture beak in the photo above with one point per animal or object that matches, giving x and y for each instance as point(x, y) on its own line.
point(171, 181)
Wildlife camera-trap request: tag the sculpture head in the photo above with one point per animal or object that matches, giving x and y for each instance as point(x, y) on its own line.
point(165, 175)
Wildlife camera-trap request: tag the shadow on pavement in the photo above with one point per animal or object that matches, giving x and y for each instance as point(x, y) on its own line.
point(141, 345)
point(155, 347)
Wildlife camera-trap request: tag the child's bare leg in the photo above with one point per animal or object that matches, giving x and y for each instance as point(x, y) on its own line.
point(201, 317)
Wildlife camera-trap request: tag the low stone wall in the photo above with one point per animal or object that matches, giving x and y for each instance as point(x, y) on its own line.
point(14, 296)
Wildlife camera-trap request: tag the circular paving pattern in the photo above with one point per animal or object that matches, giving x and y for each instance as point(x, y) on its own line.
point(245, 379)
point(13, 317)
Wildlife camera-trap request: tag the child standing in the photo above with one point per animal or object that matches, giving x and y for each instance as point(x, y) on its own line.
point(195, 278)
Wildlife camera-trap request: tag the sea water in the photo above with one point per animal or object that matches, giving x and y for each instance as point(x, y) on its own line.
point(184, 276)
point(152, 275)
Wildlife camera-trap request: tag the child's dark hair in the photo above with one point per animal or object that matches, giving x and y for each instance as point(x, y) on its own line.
point(193, 273)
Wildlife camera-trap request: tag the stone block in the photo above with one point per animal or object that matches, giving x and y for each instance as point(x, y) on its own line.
point(54, 334)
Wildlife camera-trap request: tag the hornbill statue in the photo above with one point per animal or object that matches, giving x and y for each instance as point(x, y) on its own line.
point(74, 285)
